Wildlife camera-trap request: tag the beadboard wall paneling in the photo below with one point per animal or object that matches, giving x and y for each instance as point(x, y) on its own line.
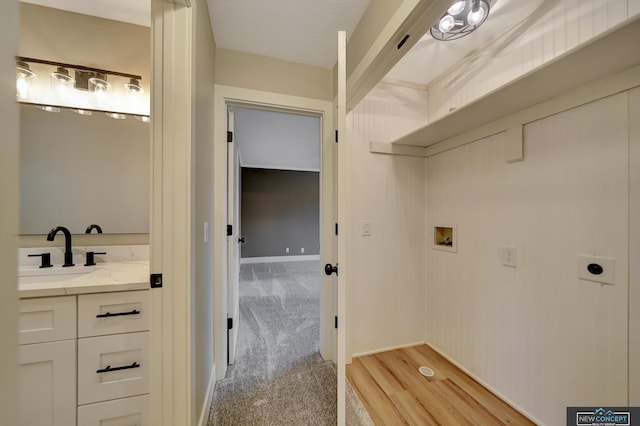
point(634, 248)
point(556, 27)
point(536, 333)
point(386, 269)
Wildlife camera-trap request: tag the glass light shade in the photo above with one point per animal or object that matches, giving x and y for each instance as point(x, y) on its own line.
point(116, 116)
point(457, 7)
point(61, 84)
point(83, 112)
point(143, 118)
point(100, 88)
point(49, 108)
point(23, 77)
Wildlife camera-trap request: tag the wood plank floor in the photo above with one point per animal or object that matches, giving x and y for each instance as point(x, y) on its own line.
point(395, 393)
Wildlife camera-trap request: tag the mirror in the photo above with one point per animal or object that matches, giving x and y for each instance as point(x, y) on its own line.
point(80, 170)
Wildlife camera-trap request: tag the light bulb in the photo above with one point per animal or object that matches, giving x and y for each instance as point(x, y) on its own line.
point(23, 87)
point(477, 14)
point(457, 7)
point(446, 23)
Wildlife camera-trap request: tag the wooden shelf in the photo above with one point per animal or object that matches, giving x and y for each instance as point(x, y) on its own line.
point(614, 51)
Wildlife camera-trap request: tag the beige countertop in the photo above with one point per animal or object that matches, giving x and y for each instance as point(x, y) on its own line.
point(104, 277)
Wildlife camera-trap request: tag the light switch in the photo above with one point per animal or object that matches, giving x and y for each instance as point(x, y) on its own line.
point(598, 269)
point(509, 256)
point(366, 228)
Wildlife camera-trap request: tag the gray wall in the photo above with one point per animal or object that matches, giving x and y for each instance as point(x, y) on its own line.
point(280, 208)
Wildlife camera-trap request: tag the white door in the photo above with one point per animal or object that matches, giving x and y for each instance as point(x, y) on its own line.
point(342, 179)
point(233, 238)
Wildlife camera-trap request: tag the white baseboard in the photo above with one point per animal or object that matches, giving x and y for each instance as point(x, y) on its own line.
point(272, 259)
point(484, 384)
point(206, 407)
point(391, 348)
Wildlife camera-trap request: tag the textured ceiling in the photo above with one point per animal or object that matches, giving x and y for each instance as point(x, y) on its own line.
point(302, 31)
point(131, 11)
point(276, 140)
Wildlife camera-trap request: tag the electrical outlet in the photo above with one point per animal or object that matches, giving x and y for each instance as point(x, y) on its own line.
point(302, 250)
point(286, 250)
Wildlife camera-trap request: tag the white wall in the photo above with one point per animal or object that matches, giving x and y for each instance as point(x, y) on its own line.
point(564, 25)
point(9, 146)
point(536, 334)
point(386, 284)
point(204, 54)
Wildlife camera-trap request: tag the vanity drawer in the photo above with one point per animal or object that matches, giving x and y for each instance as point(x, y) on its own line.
point(111, 367)
point(47, 319)
point(132, 411)
point(112, 313)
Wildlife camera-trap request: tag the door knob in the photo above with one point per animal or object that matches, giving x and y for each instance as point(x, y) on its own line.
point(330, 269)
point(241, 240)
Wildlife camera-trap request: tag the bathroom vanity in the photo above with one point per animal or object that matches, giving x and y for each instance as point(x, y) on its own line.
point(84, 342)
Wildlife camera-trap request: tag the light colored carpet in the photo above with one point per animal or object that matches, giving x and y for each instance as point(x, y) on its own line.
point(279, 377)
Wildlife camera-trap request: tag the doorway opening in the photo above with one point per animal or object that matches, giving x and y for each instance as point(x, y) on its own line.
point(275, 285)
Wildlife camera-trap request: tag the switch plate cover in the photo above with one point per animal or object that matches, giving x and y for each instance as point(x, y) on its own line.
point(366, 228)
point(607, 276)
point(509, 256)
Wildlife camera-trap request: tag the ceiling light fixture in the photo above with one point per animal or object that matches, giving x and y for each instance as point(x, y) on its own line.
point(462, 17)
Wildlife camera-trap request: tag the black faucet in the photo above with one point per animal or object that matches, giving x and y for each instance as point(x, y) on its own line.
point(68, 255)
point(92, 227)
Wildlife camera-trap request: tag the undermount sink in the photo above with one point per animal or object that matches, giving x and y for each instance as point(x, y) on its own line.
point(35, 275)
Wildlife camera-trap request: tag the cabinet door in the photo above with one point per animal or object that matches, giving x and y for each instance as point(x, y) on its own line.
point(48, 384)
point(111, 367)
point(132, 411)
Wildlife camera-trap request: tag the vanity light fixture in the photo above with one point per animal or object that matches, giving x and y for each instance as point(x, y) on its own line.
point(23, 77)
point(79, 88)
point(462, 17)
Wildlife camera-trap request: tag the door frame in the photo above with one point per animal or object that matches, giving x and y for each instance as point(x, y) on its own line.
point(228, 95)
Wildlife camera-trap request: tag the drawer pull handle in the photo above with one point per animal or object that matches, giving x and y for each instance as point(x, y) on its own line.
point(109, 369)
point(119, 314)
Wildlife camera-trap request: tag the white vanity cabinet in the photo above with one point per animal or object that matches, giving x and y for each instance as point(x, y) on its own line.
point(95, 346)
point(47, 361)
point(113, 359)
